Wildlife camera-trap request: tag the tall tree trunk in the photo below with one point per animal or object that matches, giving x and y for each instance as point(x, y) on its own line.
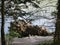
point(57, 31)
point(2, 24)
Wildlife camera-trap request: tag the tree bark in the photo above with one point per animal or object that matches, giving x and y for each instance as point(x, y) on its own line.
point(2, 24)
point(57, 31)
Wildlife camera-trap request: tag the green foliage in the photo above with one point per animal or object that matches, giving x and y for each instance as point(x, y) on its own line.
point(11, 35)
point(14, 34)
point(13, 31)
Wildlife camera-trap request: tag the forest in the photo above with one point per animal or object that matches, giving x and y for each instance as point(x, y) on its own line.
point(29, 22)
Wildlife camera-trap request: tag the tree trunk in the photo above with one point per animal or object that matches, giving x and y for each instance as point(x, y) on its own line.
point(2, 24)
point(57, 31)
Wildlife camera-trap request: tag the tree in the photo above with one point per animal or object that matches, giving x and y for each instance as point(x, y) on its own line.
point(57, 31)
point(2, 26)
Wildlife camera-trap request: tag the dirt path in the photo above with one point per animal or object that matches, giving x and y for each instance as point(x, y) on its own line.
point(33, 40)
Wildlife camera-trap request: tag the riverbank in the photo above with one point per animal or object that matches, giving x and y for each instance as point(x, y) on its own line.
point(32, 40)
